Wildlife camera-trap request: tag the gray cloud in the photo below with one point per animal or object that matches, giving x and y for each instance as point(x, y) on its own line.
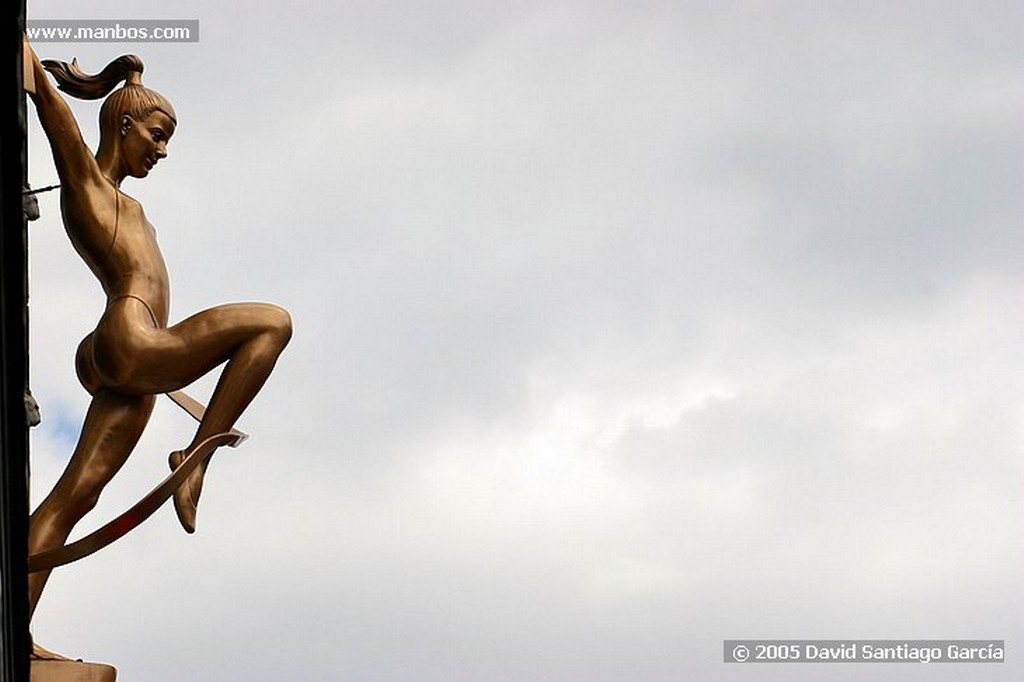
point(619, 331)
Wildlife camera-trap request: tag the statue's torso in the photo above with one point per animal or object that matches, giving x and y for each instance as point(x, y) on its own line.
point(119, 245)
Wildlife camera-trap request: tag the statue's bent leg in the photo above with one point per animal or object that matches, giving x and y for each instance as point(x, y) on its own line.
point(113, 425)
point(247, 369)
point(249, 337)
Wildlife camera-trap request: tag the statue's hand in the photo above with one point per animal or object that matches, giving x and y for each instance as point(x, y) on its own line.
point(29, 60)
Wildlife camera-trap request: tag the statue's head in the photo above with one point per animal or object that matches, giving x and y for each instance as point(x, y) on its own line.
point(135, 121)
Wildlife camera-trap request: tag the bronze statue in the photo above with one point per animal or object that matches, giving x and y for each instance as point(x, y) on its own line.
point(134, 354)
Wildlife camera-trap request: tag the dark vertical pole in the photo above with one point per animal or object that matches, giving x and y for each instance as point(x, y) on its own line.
point(14, 642)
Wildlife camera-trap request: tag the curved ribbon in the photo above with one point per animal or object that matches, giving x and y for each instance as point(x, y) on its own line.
point(130, 519)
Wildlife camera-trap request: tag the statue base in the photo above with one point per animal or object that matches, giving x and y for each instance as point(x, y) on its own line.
point(71, 671)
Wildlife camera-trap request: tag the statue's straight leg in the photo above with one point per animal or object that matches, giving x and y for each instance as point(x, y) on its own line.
point(113, 425)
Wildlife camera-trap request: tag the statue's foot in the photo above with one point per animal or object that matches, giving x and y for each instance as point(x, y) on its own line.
point(186, 497)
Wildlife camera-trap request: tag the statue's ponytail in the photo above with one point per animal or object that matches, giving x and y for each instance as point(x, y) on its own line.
point(77, 83)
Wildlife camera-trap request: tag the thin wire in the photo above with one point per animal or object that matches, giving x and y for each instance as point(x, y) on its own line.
point(29, 192)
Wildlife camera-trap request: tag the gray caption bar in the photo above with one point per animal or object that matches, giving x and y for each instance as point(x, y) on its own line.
point(864, 651)
point(112, 31)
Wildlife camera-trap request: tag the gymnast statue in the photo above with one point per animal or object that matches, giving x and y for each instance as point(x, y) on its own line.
point(134, 354)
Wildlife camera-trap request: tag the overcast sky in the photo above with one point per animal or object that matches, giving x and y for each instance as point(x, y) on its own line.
point(621, 329)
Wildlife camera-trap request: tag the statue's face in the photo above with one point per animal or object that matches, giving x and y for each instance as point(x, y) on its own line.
point(144, 142)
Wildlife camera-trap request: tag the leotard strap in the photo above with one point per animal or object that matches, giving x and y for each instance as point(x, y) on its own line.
point(141, 300)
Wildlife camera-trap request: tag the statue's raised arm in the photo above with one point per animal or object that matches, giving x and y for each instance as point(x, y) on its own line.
point(74, 160)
